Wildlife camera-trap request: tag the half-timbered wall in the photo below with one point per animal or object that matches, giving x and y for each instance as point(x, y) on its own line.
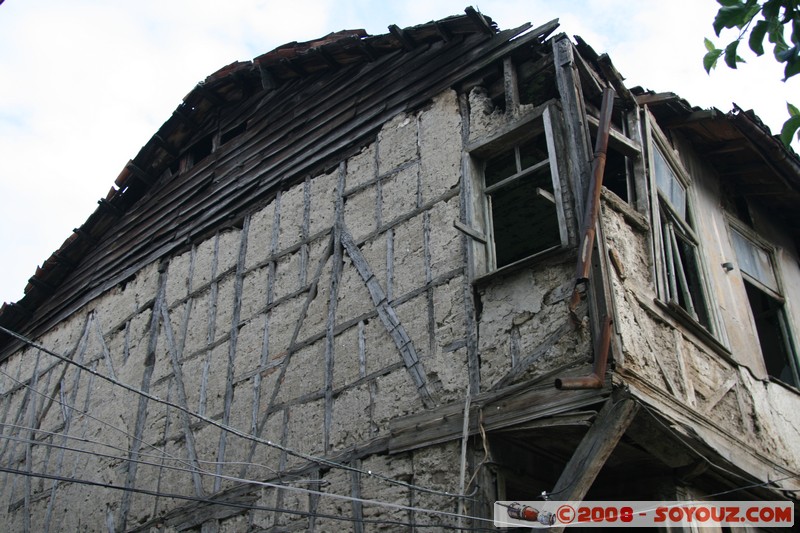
point(343, 303)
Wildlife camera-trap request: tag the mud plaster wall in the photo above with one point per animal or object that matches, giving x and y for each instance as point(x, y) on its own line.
point(524, 326)
point(341, 304)
point(278, 329)
point(752, 413)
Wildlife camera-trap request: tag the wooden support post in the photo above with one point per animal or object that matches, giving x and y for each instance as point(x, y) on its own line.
point(594, 449)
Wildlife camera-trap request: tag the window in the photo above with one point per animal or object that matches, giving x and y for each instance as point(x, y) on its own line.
point(520, 194)
point(756, 265)
point(681, 281)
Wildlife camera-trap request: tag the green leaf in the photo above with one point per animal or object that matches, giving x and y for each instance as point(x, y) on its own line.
point(710, 59)
point(789, 128)
point(771, 9)
point(730, 55)
point(752, 10)
point(793, 111)
point(729, 3)
point(775, 32)
point(792, 67)
point(730, 17)
point(757, 34)
point(709, 45)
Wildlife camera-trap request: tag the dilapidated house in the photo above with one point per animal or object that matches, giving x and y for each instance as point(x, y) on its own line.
point(379, 282)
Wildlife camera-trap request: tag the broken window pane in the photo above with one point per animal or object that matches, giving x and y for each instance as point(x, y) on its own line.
point(683, 270)
point(500, 167)
point(532, 152)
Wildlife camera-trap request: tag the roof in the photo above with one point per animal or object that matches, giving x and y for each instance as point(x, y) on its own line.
point(159, 209)
point(742, 151)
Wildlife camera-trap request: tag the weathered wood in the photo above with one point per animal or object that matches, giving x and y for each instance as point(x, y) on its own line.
point(720, 393)
point(510, 85)
point(502, 408)
point(232, 349)
point(141, 413)
point(470, 232)
point(389, 318)
point(333, 296)
point(191, 449)
point(686, 379)
point(579, 153)
point(594, 449)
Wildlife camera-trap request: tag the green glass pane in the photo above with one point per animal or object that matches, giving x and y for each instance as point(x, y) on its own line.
point(668, 183)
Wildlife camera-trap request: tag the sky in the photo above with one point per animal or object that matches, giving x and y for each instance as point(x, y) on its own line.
point(84, 84)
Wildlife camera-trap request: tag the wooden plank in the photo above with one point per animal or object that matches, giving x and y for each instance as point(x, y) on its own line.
point(141, 413)
point(686, 379)
point(232, 349)
point(720, 393)
point(594, 449)
point(502, 408)
point(579, 154)
point(617, 140)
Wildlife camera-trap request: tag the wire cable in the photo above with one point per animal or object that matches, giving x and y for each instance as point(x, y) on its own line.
point(224, 427)
point(701, 455)
point(162, 455)
point(288, 488)
point(248, 506)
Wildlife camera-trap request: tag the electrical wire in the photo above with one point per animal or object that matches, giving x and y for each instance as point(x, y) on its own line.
point(224, 427)
point(701, 455)
point(248, 506)
point(268, 484)
point(162, 455)
point(125, 450)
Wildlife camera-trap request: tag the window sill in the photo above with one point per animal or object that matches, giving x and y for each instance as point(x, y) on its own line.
point(556, 255)
point(696, 328)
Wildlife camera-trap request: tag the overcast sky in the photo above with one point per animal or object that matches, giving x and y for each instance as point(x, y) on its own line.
point(85, 83)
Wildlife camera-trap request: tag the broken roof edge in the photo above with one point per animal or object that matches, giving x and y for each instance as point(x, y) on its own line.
point(775, 154)
point(360, 46)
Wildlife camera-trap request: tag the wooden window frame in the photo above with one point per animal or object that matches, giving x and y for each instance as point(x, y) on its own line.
point(543, 120)
point(787, 333)
point(672, 232)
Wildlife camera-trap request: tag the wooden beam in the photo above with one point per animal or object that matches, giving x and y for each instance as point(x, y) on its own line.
point(594, 449)
point(402, 37)
point(657, 98)
point(479, 21)
point(616, 79)
point(503, 408)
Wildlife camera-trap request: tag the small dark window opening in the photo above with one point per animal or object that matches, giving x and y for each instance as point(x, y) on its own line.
point(233, 132)
point(201, 149)
point(773, 335)
point(615, 176)
point(536, 82)
point(522, 201)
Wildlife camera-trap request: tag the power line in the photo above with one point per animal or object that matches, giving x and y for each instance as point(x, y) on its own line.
point(248, 506)
point(701, 455)
point(162, 455)
point(267, 484)
point(224, 427)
